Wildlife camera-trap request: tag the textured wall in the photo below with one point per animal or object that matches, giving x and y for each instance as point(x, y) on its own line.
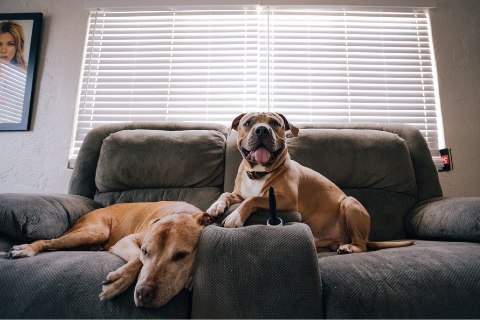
point(456, 37)
point(36, 161)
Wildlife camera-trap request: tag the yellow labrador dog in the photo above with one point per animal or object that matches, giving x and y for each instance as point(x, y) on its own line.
point(158, 240)
point(338, 223)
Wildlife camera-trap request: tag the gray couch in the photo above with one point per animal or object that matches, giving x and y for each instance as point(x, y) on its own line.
point(256, 271)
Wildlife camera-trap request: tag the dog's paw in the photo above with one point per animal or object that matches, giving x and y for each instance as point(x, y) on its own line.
point(116, 283)
point(21, 251)
point(344, 249)
point(217, 208)
point(233, 220)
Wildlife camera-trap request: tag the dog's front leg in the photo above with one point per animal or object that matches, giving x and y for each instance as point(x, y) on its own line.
point(119, 280)
point(95, 233)
point(237, 218)
point(223, 202)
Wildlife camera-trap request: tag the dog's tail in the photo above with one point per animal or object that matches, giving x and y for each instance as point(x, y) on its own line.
point(388, 244)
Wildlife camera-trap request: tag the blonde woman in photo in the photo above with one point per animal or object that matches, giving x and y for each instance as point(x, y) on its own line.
point(13, 72)
point(12, 44)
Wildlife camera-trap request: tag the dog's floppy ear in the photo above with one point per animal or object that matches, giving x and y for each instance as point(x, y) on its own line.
point(205, 219)
point(289, 126)
point(235, 123)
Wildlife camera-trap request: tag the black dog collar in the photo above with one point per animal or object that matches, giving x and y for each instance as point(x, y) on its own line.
point(257, 175)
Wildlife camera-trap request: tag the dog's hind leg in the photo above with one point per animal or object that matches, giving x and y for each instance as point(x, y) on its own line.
point(119, 280)
point(357, 224)
point(90, 230)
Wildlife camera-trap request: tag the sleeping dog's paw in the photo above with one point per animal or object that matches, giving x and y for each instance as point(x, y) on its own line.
point(217, 208)
point(233, 220)
point(24, 250)
point(117, 282)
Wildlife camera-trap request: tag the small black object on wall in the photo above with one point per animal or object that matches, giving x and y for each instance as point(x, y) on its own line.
point(446, 155)
point(19, 50)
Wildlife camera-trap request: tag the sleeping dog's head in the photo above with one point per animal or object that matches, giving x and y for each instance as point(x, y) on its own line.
point(261, 138)
point(168, 254)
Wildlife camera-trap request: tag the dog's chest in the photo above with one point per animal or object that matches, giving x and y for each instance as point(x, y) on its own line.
point(251, 188)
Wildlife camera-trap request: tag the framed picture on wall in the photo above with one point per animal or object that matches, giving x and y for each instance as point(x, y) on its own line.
point(19, 45)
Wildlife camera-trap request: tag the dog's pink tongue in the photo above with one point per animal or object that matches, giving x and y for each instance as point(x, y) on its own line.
point(262, 155)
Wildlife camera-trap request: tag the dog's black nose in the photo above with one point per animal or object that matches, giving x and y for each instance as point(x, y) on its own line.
point(145, 294)
point(261, 131)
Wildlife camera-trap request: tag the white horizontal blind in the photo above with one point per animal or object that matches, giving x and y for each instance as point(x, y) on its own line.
point(170, 66)
point(12, 91)
point(211, 65)
point(353, 67)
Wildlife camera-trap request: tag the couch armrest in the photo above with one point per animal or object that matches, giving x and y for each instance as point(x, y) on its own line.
point(257, 272)
point(261, 216)
point(29, 217)
point(445, 219)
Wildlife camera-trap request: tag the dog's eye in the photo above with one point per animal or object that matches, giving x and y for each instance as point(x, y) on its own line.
point(248, 123)
point(275, 123)
point(179, 256)
point(144, 252)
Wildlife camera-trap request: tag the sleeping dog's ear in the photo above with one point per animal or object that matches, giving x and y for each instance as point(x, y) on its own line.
point(204, 219)
point(289, 126)
point(235, 123)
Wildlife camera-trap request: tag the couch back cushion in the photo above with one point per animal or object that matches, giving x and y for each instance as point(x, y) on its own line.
point(373, 166)
point(356, 158)
point(153, 165)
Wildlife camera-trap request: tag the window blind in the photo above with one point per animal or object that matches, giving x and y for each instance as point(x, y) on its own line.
point(210, 65)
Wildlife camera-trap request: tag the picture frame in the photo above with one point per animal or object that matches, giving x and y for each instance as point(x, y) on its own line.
point(19, 49)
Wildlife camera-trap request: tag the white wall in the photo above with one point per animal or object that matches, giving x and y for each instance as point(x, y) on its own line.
point(36, 161)
point(456, 36)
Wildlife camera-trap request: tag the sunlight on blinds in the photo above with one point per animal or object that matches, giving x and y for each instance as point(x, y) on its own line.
point(210, 65)
point(354, 67)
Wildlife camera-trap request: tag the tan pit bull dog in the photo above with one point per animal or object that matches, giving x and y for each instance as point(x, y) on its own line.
point(157, 239)
point(338, 223)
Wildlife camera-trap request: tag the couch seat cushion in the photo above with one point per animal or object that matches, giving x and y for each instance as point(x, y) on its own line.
point(66, 284)
point(431, 279)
